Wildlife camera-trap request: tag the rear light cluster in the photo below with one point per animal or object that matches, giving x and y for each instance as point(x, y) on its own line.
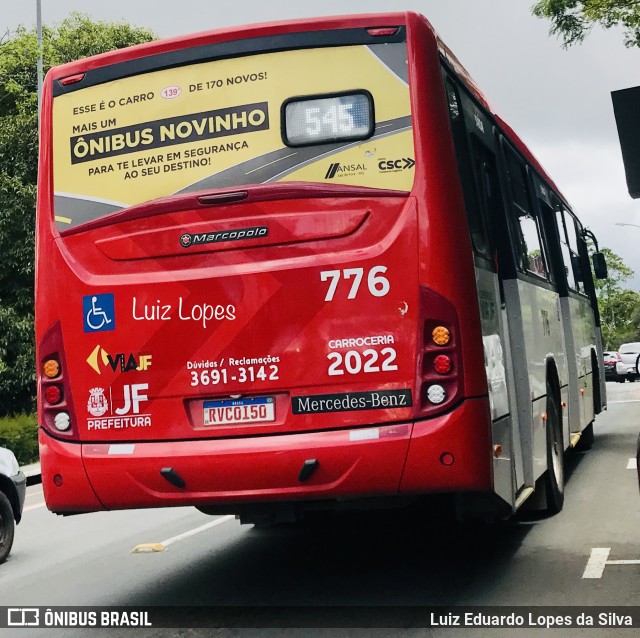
point(53, 393)
point(440, 371)
point(56, 409)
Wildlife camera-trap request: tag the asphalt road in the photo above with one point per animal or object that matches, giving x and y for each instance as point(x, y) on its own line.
point(377, 560)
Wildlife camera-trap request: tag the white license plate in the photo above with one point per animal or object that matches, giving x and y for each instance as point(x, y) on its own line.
point(243, 410)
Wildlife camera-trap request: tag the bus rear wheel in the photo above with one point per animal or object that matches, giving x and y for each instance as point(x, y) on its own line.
point(553, 478)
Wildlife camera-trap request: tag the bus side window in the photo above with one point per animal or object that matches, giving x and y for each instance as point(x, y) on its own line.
point(526, 226)
point(468, 174)
point(484, 164)
point(571, 234)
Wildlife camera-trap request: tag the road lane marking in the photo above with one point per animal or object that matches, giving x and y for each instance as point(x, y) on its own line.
point(627, 401)
point(160, 547)
point(597, 562)
point(599, 559)
point(34, 507)
point(632, 464)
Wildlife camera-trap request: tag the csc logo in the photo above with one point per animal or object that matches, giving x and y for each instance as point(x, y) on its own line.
point(401, 164)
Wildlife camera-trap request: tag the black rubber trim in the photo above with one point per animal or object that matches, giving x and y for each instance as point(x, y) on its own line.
point(230, 49)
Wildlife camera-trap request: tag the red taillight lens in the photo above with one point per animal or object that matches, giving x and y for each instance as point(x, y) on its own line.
point(380, 31)
point(53, 394)
point(72, 79)
point(442, 364)
point(618, 357)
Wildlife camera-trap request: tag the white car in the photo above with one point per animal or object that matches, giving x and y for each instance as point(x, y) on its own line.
point(627, 365)
point(13, 485)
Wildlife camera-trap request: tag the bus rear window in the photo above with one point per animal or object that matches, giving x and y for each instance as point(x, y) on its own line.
point(329, 114)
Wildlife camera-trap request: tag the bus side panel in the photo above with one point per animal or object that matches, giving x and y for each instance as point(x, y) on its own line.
point(449, 269)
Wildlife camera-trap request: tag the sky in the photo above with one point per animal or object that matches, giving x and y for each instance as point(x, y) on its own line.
point(559, 101)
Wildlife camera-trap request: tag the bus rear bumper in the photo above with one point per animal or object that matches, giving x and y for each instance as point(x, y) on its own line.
point(389, 460)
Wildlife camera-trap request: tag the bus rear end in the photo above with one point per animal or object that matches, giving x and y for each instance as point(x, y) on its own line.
point(232, 310)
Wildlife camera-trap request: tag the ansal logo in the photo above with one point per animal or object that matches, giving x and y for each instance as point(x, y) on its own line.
point(99, 359)
point(337, 169)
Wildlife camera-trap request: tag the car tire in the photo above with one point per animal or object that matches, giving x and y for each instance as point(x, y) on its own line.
point(7, 527)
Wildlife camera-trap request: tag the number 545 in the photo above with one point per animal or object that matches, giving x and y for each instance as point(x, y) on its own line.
point(377, 283)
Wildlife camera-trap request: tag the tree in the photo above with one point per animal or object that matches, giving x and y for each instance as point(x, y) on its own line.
point(619, 307)
point(76, 37)
point(572, 20)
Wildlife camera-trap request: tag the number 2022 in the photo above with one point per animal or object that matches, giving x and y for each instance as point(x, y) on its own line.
point(354, 362)
point(377, 283)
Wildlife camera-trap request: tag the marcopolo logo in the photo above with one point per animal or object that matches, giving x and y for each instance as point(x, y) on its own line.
point(237, 234)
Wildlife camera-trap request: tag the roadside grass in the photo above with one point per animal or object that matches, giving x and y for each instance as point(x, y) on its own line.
point(20, 435)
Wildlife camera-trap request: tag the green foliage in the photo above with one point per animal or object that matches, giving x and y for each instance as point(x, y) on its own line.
point(17, 356)
point(619, 307)
point(76, 37)
point(20, 435)
point(572, 20)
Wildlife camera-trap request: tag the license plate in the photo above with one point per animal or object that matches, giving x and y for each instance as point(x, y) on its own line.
point(244, 410)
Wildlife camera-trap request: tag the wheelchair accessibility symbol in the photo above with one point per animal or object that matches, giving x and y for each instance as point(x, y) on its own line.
point(98, 313)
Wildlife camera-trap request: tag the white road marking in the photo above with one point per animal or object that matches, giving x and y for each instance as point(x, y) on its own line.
point(599, 559)
point(632, 464)
point(628, 401)
point(192, 532)
point(197, 530)
point(34, 507)
point(597, 562)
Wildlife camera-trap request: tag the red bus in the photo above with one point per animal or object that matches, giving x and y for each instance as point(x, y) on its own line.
point(298, 266)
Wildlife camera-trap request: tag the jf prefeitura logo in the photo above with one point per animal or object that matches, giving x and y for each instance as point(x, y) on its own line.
point(195, 127)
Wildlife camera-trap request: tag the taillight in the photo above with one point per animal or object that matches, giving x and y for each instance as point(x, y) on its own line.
point(442, 364)
point(54, 396)
point(382, 31)
point(439, 360)
point(51, 368)
point(618, 357)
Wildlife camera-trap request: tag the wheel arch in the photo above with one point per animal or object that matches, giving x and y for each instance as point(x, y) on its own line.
point(9, 490)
